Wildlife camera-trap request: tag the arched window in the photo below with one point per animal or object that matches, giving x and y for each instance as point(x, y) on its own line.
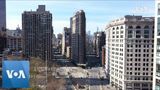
point(121, 27)
point(117, 28)
point(138, 27)
point(113, 28)
point(146, 27)
point(130, 27)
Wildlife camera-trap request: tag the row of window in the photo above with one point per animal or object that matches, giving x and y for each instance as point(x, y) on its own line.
point(138, 69)
point(139, 36)
point(140, 41)
point(139, 55)
point(139, 59)
point(140, 31)
point(144, 64)
point(139, 50)
point(131, 27)
point(138, 73)
point(140, 45)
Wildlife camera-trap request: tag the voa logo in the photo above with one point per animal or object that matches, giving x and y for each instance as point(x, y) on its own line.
point(15, 74)
point(12, 73)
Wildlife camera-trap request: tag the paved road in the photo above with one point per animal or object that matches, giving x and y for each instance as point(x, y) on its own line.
point(80, 76)
point(93, 79)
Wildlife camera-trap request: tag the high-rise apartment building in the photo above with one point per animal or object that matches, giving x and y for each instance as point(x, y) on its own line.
point(129, 52)
point(66, 40)
point(156, 67)
point(37, 33)
point(78, 37)
point(3, 39)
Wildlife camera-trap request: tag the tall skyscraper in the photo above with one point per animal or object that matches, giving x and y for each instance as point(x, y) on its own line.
point(37, 33)
point(2, 14)
point(129, 52)
point(156, 67)
point(66, 39)
point(3, 39)
point(78, 40)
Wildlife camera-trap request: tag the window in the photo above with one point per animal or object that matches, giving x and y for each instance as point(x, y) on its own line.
point(136, 84)
point(144, 55)
point(146, 36)
point(146, 31)
point(139, 45)
point(139, 59)
point(135, 64)
point(138, 27)
point(130, 31)
point(138, 36)
point(130, 27)
point(139, 55)
point(129, 36)
point(136, 50)
point(135, 55)
point(117, 28)
point(138, 32)
point(146, 27)
point(121, 27)
point(144, 50)
point(135, 73)
point(144, 59)
point(143, 68)
point(143, 73)
point(144, 85)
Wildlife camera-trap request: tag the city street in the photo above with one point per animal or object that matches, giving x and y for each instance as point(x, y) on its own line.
point(83, 79)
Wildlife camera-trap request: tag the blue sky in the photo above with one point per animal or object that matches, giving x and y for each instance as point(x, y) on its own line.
point(98, 12)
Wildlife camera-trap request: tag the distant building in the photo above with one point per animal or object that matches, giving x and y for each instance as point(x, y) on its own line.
point(37, 33)
point(78, 40)
point(66, 40)
point(3, 38)
point(99, 38)
point(54, 41)
point(129, 52)
point(59, 42)
point(68, 52)
point(156, 63)
point(14, 39)
point(103, 55)
point(89, 44)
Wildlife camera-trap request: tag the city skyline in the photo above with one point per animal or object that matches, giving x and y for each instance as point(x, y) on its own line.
point(98, 13)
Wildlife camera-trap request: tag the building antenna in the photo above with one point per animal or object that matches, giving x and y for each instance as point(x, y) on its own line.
point(97, 29)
